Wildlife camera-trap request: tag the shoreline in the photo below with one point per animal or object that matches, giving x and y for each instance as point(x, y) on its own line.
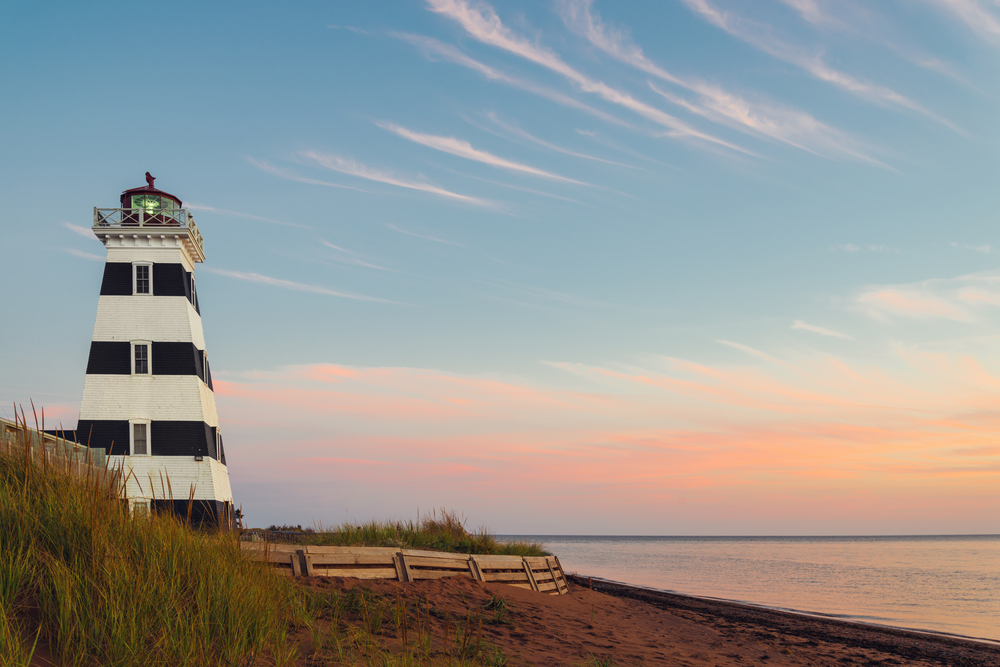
point(582, 580)
point(906, 642)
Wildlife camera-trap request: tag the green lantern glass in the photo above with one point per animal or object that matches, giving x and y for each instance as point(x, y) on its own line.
point(150, 203)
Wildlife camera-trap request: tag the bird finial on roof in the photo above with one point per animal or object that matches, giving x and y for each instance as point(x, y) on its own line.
point(150, 179)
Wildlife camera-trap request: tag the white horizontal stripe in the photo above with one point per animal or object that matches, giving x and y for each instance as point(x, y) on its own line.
point(209, 477)
point(165, 319)
point(164, 255)
point(161, 397)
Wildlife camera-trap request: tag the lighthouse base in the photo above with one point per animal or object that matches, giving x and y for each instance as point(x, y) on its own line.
point(171, 483)
point(204, 513)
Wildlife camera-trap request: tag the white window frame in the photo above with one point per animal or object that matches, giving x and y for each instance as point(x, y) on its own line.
point(131, 436)
point(149, 357)
point(135, 279)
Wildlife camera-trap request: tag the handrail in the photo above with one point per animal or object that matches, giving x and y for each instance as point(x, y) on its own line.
point(140, 217)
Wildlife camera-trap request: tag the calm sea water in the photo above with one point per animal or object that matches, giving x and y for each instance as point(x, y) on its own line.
point(941, 583)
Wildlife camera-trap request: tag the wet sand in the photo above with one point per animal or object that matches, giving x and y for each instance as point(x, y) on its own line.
point(635, 626)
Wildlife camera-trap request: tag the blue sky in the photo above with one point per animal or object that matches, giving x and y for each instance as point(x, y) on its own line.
point(720, 268)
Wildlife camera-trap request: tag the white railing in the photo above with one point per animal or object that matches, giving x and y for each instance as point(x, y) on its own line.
point(140, 217)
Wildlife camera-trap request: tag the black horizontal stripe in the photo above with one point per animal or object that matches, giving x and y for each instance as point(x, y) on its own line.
point(109, 358)
point(111, 436)
point(176, 438)
point(169, 279)
point(166, 438)
point(176, 359)
point(114, 358)
point(117, 279)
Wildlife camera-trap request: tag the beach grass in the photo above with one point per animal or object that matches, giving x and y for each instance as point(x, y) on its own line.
point(100, 584)
point(440, 530)
point(90, 582)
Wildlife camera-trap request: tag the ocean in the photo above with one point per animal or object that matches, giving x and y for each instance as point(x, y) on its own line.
point(945, 584)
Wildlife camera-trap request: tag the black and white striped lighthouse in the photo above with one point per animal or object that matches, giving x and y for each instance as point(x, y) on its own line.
point(148, 398)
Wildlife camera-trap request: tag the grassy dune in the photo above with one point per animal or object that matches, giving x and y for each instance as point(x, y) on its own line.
point(87, 581)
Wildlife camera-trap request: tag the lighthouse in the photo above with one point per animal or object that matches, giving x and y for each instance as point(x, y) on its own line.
point(148, 399)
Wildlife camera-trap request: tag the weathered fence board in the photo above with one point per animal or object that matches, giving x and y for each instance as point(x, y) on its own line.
point(543, 574)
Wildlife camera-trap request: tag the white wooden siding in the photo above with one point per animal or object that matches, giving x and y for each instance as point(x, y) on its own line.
point(156, 397)
point(210, 478)
point(167, 255)
point(164, 319)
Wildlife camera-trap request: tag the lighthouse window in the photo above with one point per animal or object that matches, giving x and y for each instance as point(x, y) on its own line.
point(140, 438)
point(143, 279)
point(141, 359)
point(141, 353)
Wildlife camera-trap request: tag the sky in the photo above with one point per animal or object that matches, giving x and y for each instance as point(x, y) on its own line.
point(692, 267)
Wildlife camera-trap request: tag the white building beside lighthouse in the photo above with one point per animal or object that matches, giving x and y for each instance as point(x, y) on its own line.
point(148, 399)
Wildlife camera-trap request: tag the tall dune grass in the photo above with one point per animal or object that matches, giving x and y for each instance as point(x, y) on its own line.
point(99, 584)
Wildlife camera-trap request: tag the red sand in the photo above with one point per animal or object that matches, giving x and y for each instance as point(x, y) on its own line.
point(641, 627)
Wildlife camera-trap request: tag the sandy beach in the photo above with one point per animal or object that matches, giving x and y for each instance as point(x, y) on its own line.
point(634, 626)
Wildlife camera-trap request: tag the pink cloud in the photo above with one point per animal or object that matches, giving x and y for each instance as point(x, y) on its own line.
point(890, 301)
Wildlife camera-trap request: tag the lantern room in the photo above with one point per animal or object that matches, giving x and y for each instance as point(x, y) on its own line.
point(150, 199)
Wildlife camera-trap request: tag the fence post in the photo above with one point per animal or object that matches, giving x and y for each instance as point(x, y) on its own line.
point(531, 575)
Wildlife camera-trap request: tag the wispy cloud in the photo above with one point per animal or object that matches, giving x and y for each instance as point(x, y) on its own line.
point(518, 132)
point(482, 23)
point(521, 188)
point(222, 211)
point(791, 126)
point(349, 28)
point(285, 173)
point(961, 299)
point(810, 11)
point(983, 248)
point(754, 352)
point(975, 15)
point(871, 247)
point(82, 231)
point(911, 303)
point(290, 285)
point(546, 294)
point(433, 48)
point(597, 138)
point(761, 37)
point(425, 237)
point(819, 16)
point(799, 324)
point(353, 168)
point(83, 255)
point(465, 150)
point(345, 256)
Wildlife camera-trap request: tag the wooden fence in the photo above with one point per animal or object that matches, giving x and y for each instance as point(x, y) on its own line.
point(543, 574)
point(50, 450)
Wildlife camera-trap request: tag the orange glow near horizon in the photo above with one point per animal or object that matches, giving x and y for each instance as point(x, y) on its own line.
point(752, 446)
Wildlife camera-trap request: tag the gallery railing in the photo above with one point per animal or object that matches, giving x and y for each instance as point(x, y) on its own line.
point(140, 217)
